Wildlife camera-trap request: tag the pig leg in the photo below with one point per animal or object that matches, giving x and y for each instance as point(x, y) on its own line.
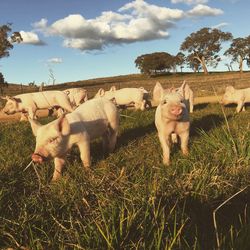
point(112, 140)
point(165, 144)
point(105, 143)
point(59, 163)
point(143, 103)
point(32, 113)
point(84, 148)
point(239, 106)
point(174, 138)
point(184, 142)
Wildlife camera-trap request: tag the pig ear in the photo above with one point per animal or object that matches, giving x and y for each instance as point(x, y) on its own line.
point(182, 89)
point(34, 126)
point(67, 92)
point(86, 98)
point(113, 88)
point(230, 89)
point(63, 125)
point(158, 91)
point(101, 92)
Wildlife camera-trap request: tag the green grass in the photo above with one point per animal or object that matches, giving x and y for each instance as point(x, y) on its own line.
point(130, 200)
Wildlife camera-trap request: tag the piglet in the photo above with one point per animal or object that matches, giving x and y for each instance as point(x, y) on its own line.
point(92, 119)
point(172, 120)
point(237, 96)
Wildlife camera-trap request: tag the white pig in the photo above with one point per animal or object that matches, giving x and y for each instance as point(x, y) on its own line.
point(237, 96)
point(92, 119)
point(124, 96)
point(31, 102)
point(172, 118)
point(76, 96)
point(188, 94)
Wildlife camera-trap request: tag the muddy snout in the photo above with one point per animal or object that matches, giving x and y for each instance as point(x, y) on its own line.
point(176, 110)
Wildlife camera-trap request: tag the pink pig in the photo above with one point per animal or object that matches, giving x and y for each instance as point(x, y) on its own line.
point(92, 119)
point(172, 120)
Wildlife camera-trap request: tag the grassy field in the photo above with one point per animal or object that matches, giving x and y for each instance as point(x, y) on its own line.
point(130, 200)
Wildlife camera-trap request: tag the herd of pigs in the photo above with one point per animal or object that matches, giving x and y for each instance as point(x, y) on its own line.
point(81, 120)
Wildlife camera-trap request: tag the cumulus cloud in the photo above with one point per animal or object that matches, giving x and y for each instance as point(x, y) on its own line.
point(220, 25)
point(189, 2)
point(30, 37)
point(134, 21)
point(204, 10)
point(55, 60)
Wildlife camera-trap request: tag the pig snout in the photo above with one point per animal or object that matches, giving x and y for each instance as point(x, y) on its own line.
point(177, 110)
point(37, 158)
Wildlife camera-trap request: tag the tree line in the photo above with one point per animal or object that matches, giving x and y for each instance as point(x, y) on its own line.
point(198, 51)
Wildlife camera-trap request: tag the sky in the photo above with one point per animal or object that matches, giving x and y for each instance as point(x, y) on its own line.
point(75, 40)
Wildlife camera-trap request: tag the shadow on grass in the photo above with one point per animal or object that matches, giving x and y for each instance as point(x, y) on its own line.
point(206, 123)
point(200, 106)
point(233, 215)
point(124, 139)
point(134, 133)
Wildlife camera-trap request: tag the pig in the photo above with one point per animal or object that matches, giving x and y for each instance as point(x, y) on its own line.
point(31, 102)
point(237, 96)
point(124, 96)
point(188, 94)
point(172, 120)
point(76, 96)
point(92, 119)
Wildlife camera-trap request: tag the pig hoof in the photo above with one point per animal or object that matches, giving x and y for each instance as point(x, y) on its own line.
point(185, 152)
point(166, 162)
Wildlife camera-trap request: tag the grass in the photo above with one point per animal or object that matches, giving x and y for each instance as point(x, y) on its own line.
point(130, 200)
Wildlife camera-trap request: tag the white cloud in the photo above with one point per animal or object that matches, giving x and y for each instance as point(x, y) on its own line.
point(204, 10)
point(30, 37)
point(41, 24)
point(220, 25)
point(55, 60)
point(189, 2)
point(135, 21)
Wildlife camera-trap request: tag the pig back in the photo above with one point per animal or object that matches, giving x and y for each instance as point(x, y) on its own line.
point(94, 116)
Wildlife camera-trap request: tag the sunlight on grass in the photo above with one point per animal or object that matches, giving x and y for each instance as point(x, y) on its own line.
point(130, 200)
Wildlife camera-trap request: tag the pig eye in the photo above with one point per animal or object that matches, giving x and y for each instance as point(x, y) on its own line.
point(52, 140)
point(164, 101)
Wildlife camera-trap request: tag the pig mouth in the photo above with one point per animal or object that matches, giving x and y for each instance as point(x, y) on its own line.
point(38, 158)
point(9, 112)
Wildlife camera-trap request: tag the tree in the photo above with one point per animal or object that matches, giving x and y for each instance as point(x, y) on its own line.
point(2, 83)
point(155, 63)
point(204, 45)
point(179, 60)
point(5, 42)
point(240, 51)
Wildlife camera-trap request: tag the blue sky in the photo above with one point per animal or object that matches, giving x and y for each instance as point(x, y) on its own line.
point(84, 39)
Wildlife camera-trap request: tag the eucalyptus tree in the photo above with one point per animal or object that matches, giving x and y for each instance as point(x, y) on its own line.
point(204, 46)
point(239, 50)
